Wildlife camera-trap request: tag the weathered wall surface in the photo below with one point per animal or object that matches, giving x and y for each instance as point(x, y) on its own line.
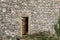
point(44, 14)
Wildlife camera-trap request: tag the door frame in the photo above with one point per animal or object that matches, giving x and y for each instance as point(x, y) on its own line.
point(29, 25)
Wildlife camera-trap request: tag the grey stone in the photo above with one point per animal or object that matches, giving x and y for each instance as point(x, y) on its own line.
point(43, 14)
point(4, 10)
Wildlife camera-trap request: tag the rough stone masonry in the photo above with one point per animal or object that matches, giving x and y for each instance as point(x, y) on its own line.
point(44, 15)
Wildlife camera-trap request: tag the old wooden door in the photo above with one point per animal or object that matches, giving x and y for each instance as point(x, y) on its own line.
point(24, 25)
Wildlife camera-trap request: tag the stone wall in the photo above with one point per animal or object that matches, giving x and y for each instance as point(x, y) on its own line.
point(44, 14)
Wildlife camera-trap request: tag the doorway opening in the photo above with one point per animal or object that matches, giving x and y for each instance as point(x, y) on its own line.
point(24, 25)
